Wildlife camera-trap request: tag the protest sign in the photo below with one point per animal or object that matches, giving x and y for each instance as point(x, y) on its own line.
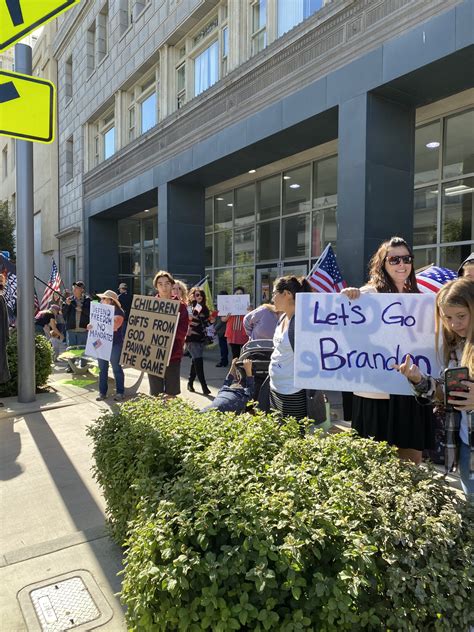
point(150, 334)
point(100, 338)
point(235, 304)
point(343, 345)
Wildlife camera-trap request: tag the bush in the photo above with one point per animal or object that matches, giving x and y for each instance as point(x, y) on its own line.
point(43, 362)
point(237, 523)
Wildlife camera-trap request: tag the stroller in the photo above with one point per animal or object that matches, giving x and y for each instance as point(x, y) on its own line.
point(259, 351)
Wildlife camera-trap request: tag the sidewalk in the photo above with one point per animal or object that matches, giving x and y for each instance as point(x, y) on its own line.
point(53, 547)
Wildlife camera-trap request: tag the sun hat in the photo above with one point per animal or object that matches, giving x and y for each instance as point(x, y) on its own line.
point(123, 285)
point(112, 295)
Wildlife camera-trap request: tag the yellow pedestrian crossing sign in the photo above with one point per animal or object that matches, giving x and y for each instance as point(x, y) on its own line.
point(27, 107)
point(20, 17)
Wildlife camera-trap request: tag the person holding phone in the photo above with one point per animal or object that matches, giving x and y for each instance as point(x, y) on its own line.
point(455, 327)
point(397, 419)
point(198, 321)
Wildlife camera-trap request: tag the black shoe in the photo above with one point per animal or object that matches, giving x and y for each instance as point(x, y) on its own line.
point(69, 370)
point(205, 391)
point(191, 388)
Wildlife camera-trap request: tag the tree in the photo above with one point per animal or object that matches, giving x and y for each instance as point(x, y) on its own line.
point(7, 229)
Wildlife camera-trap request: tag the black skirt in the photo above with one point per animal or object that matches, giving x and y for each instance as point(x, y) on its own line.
point(400, 421)
point(293, 405)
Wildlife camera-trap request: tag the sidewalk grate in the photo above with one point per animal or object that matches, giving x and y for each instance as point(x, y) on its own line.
point(72, 601)
point(64, 605)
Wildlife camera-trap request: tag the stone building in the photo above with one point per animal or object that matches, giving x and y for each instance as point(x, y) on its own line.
point(237, 137)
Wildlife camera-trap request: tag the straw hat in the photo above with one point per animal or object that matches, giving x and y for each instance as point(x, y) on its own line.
point(112, 295)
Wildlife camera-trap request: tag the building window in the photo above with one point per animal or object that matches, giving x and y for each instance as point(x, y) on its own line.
point(90, 56)
point(443, 224)
point(68, 78)
point(258, 31)
point(143, 106)
point(70, 270)
point(103, 32)
point(5, 162)
point(206, 68)
point(109, 142)
point(124, 13)
point(181, 84)
point(69, 158)
point(292, 12)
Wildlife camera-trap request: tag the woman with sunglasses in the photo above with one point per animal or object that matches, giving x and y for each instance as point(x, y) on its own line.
point(198, 321)
point(397, 419)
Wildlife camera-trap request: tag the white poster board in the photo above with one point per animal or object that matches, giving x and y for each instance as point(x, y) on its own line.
point(151, 329)
point(235, 304)
point(343, 345)
point(100, 338)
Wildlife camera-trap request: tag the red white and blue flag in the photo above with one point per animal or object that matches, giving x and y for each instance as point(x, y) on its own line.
point(54, 284)
point(325, 275)
point(432, 279)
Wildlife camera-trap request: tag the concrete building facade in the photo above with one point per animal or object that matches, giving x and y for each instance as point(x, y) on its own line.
point(238, 138)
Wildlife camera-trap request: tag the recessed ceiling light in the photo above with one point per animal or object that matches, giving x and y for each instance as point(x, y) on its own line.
point(295, 186)
point(230, 204)
point(252, 171)
point(220, 199)
point(147, 210)
point(433, 144)
point(286, 177)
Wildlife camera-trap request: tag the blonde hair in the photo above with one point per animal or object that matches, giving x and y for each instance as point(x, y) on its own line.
point(183, 291)
point(457, 293)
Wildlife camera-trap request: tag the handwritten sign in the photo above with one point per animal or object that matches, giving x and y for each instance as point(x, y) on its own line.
point(235, 304)
point(150, 334)
point(351, 345)
point(100, 338)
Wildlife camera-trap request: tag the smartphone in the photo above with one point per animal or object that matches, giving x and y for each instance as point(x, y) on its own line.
point(452, 382)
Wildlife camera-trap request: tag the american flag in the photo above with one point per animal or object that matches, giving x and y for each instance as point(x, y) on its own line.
point(54, 285)
point(9, 293)
point(433, 278)
point(325, 275)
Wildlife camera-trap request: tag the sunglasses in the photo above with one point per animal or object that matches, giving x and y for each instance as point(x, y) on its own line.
point(198, 294)
point(394, 261)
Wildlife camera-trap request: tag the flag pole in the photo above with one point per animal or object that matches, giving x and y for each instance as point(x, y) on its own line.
point(315, 267)
point(63, 296)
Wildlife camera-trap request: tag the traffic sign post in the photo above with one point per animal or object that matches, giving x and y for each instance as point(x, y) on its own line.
point(25, 251)
point(27, 107)
point(20, 17)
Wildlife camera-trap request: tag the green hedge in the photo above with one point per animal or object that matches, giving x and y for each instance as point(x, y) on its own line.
point(43, 364)
point(237, 523)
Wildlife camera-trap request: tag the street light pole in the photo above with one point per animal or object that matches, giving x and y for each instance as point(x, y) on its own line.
point(25, 250)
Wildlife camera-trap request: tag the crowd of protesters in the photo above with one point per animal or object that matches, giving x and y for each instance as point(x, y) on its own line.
point(401, 420)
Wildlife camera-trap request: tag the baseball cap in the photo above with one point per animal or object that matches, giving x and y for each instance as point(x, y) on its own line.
point(79, 284)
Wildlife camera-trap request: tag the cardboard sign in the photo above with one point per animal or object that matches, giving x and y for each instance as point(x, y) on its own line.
point(343, 345)
point(100, 338)
point(150, 334)
point(235, 304)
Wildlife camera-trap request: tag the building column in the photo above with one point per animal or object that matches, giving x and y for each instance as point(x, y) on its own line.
point(102, 260)
point(375, 179)
point(181, 230)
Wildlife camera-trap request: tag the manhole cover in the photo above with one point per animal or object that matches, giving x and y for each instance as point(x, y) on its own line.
point(64, 605)
point(72, 601)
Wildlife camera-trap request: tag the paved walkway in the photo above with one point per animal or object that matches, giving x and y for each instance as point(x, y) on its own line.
point(52, 514)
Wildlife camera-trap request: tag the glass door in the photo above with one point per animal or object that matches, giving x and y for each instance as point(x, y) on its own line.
point(295, 269)
point(265, 279)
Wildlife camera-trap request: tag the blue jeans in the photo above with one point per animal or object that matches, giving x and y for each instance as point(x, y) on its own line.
point(116, 368)
point(464, 463)
point(76, 338)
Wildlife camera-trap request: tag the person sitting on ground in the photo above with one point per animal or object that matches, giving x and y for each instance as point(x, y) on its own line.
point(466, 269)
point(236, 392)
